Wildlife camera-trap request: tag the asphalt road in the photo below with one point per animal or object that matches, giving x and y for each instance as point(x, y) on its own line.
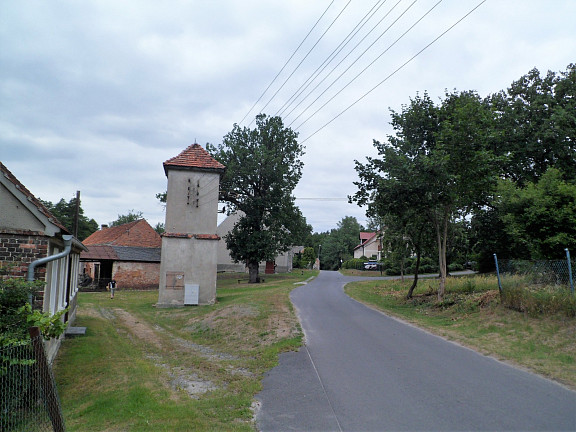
point(361, 370)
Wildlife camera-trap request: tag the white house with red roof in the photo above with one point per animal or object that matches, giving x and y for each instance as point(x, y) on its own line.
point(370, 246)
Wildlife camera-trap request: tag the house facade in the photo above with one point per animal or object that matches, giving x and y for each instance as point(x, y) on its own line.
point(370, 246)
point(282, 264)
point(30, 238)
point(128, 253)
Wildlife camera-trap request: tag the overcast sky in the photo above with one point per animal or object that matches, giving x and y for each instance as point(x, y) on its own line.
point(95, 95)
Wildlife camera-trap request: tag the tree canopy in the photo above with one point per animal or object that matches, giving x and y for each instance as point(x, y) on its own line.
point(496, 175)
point(132, 216)
point(437, 165)
point(65, 212)
point(338, 245)
point(263, 167)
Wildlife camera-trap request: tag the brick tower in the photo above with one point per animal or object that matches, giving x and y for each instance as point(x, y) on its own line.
point(189, 245)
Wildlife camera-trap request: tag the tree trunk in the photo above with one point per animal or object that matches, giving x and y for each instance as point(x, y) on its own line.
point(253, 271)
point(416, 271)
point(442, 234)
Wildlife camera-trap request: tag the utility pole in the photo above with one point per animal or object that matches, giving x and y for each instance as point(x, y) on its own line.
point(77, 214)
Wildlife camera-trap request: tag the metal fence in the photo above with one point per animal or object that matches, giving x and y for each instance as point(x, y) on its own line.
point(539, 274)
point(28, 397)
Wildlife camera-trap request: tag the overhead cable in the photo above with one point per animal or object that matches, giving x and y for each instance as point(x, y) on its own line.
point(331, 57)
point(305, 57)
point(365, 69)
point(286, 64)
point(398, 69)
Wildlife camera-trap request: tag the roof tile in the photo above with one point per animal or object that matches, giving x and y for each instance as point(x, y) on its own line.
point(136, 234)
point(195, 156)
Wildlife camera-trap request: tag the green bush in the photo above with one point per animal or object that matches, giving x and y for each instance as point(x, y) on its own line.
point(17, 313)
point(455, 267)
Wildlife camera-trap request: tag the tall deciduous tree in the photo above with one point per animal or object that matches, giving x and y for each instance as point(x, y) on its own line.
point(438, 164)
point(339, 245)
point(263, 167)
point(536, 125)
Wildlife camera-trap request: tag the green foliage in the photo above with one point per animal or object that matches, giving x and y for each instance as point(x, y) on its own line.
point(339, 245)
point(132, 216)
point(262, 169)
point(534, 128)
point(51, 326)
point(535, 122)
point(65, 212)
point(14, 294)
point(436, 168)
point(540, 216)
point(306, 259)
point(17, 315)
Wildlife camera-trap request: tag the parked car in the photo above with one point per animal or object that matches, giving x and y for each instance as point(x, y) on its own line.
point(371, 265)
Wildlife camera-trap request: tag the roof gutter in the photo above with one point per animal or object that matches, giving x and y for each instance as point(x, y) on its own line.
point(67, 248)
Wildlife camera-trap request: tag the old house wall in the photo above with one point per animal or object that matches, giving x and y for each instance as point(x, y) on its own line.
point(136, 275)
point(19, 249)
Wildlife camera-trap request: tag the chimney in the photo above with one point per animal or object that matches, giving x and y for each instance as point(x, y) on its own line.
point(104, 226)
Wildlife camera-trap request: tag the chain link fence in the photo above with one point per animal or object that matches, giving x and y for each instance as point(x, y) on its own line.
point(28, 398)
point(540, 274)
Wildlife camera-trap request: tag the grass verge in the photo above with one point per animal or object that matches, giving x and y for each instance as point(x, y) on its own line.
point(196, 368)
point(471, 314)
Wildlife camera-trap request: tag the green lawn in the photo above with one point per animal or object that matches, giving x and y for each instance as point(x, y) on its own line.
point(196, 368)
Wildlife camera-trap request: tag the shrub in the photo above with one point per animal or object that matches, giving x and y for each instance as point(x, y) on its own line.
point(455, 267)
point(17, 313)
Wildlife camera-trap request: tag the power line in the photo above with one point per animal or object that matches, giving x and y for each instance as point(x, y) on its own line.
point(398, 69)
point(367, 67)
point(305, 57)
point(332, 56)
point(345, 57)
point(287, 61)
point(322, 199)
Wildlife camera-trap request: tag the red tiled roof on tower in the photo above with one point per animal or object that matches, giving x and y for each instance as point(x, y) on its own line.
point(195, 156)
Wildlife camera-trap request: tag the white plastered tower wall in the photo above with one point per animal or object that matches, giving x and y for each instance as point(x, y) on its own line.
point(189, 245)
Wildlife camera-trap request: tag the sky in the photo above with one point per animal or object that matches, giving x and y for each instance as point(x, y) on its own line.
point(96, 95)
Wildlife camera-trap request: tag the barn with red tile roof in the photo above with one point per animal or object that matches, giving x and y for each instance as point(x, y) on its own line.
point(128, 253)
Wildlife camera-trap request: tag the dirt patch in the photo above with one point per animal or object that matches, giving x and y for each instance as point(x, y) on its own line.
point(137, 328)
point(229, 312)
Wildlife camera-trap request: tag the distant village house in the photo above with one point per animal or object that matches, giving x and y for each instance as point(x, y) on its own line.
point(370, 246)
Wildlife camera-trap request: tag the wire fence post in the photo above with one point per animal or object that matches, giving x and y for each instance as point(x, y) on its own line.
point(570, 271)
point(498, 275)
point(48, 388)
